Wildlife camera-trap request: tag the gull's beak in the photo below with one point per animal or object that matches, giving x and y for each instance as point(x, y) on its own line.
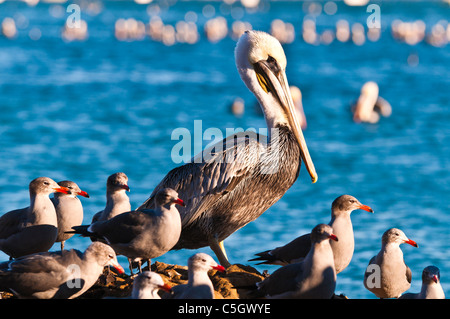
point(275, 81)
point(411, 242)
point(62, 189)
point(166, 288)
point(83, 193)
point(366, 208)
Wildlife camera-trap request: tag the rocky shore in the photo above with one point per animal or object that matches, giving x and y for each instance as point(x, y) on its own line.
point(113, 285)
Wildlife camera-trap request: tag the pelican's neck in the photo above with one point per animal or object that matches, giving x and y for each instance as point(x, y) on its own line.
point(273, 112)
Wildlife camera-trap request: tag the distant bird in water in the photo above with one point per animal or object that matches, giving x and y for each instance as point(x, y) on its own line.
point(237, 106)
point(199, 284)
point(147, 285)
point(142, 234)
point(387, 275)
point(297, 98)
point(431, 285)
point(69, 211)
point(245, 174)
point(370, 105)
point(312, 278)
point(117, 201)
point(343, 249)
point(32, 229)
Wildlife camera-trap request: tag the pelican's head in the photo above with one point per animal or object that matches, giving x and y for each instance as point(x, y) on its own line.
point(261, 63)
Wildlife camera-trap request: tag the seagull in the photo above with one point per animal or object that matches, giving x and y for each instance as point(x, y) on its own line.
point(117, 201)
point(143, 234)
point(431, 285)
point(343, 249)
point(234, 181)
point(32, 229)
point(147, 284)
point(312, 278)
point(69, 211)
point(57, 275)
point(199, 284)
point(387, 275)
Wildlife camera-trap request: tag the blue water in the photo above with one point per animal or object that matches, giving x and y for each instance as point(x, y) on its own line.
point(84, 110)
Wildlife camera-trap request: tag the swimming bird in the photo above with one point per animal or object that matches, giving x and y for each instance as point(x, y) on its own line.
point(312, 278)
point(431, 285)
point(343, 249)
point(387, 275)
point(57, 275)
point(142, 234)
point(199, 284)
point(117, 201)
point(370, 105)
point(69, 211)
point(32, 229)
point(234, 181)
point(147, 284)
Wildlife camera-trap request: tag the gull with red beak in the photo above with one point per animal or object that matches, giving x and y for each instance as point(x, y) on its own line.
point(312, 278)
point(387, 275)
point(142, 234)
point(147, 285)
point(233, 182)
point(117, 201)
point(57, 275)
point(199, 284)
point(32, 229)
point(343, 249)
point(69, 210)
point(431, 285)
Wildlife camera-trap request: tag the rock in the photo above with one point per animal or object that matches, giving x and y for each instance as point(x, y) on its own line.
point(113, 285)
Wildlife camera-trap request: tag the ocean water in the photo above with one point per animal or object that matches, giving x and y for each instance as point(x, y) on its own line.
point(82, 110)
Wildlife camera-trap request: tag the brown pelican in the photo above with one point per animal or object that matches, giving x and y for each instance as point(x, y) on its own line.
point(221, 196)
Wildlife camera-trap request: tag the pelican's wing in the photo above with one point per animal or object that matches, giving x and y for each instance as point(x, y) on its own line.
point(213, 173)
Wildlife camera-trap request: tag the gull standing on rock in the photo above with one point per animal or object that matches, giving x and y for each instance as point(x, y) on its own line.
point(431, 286)
point(117, 201)
point(57, 275)
point(233, 182)
point(199, 284)
point(147, 284)
point(32, 229)
point(312, 278)
point(69, 210)
point(343, 249)
point(142, 234)
point(387, 275)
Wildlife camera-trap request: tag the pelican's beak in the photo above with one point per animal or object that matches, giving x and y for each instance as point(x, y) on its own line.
point(435, 279)
point(272, 78)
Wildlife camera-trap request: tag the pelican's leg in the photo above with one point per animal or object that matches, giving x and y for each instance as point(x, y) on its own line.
point(130, 265)
point(218, 249)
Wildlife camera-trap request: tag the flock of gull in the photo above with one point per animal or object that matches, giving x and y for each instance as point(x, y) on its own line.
point(200, 204)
